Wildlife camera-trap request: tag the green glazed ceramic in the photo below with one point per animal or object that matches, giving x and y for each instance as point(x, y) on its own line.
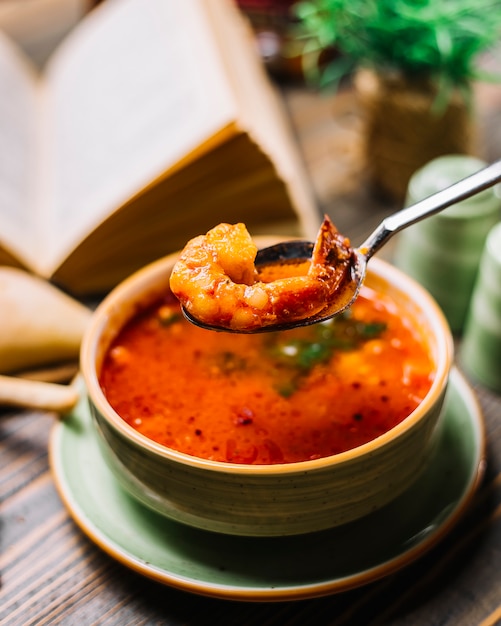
point(265, 500)
point(246, 568)
point(481, 347)
point(443, 251)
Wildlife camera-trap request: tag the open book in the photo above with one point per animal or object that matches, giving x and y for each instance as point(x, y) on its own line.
point(152, 122)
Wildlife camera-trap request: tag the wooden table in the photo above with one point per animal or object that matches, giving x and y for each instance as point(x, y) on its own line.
point(52, 574)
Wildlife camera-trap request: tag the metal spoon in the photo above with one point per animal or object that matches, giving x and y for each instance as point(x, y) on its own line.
point(291, 251)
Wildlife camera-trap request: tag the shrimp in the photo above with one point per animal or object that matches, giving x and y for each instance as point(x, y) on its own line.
point(216, 281)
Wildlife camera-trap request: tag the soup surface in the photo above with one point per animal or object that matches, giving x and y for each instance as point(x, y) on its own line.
point(267, 398)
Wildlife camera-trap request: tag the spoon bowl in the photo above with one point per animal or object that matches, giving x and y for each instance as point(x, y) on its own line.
point(299, 251)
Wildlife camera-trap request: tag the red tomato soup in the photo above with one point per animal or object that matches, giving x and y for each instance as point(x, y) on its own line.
point(275, 397)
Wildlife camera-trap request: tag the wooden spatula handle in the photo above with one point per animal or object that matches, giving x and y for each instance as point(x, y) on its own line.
point(37, 395)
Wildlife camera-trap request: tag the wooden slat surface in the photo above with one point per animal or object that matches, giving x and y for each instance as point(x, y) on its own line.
point(52, 574)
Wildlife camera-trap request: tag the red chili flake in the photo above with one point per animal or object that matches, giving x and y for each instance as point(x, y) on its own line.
point(358, 417)
point(384, 398)
point(198, 432)
point(245, 417)
point(243, 421)
point(356, 385)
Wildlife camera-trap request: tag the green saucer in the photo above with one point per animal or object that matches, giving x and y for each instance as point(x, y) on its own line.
point(246, 568)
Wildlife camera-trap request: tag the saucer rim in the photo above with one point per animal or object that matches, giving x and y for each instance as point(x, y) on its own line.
point(283, 593)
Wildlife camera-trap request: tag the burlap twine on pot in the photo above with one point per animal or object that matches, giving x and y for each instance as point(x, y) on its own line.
point(403, 132)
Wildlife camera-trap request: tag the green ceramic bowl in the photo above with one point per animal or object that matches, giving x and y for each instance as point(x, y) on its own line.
point(266, 500)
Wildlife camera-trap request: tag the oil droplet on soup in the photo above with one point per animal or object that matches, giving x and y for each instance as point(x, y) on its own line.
point(269, 398)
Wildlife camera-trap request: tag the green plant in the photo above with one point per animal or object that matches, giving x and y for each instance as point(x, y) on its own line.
point(436, 41)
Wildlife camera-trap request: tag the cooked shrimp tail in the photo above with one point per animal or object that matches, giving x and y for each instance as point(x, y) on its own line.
point(332, 255)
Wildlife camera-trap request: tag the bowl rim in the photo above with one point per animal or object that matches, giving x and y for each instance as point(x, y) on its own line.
point(160, 269)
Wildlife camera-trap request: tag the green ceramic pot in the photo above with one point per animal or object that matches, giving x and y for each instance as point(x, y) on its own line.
point(481, 348)
point(262, 500)
point(443, 251)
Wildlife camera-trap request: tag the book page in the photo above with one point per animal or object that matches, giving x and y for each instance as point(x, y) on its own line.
point(264, 115)
point(38, 26)
point(135, 88)
point(18, 156)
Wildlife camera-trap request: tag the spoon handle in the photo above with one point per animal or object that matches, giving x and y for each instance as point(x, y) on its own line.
point(465, 188)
